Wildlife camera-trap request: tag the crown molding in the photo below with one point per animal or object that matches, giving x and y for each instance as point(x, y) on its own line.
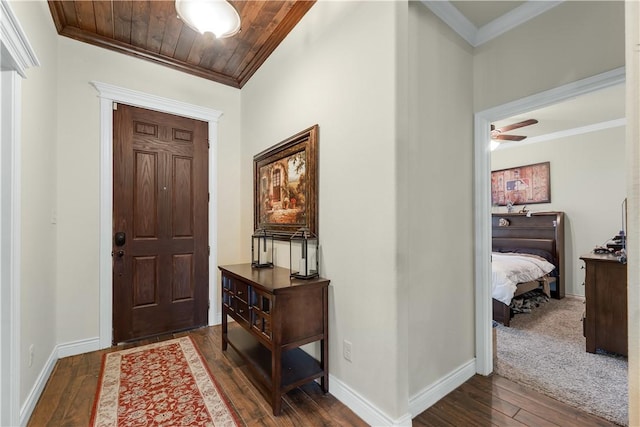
point(478, 36)
point(566, 133)
point(453, 18)
point(15, 42)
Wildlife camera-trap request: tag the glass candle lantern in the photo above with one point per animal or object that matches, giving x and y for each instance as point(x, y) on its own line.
point(303, 254)
point(261, 249)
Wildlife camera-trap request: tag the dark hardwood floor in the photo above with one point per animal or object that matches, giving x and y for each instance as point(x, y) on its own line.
point(482, 401)
point(497, 401)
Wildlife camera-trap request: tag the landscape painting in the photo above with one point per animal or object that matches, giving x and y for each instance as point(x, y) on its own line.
point(285, 198)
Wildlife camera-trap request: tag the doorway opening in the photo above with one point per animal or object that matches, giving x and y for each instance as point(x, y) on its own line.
point(482, 190)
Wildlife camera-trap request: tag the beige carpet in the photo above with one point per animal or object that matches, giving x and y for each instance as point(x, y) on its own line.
point(545, 350)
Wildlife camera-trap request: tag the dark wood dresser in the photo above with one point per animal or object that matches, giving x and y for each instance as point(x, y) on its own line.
point(275, 315)
point(605, 319)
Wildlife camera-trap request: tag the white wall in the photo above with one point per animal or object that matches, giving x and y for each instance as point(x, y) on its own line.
point(78, 136)
point(61, 157)
point(587, 183)
point(39, 190)
point(336, 69)
point(574, 40)
point(632, 20)
point(439, 189)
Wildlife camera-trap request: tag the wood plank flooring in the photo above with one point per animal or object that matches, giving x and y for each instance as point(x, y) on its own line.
point(496, 401)
point(482, 401)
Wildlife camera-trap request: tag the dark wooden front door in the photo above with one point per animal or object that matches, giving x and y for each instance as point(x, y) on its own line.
point(160, 223)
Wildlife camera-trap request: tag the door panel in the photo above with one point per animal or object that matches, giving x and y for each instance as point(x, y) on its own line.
point(160, 195)
point(145, 190)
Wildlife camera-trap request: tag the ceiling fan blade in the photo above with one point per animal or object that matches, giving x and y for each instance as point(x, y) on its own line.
point(503, 137)
point(517, 125)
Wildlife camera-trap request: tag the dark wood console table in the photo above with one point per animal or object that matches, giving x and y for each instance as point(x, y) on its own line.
point(605, 322)
point(277, 315)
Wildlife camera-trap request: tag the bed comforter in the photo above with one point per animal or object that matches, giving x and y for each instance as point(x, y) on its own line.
point(509, 269)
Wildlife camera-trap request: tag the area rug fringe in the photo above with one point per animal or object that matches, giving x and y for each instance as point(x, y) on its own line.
point(161, 384)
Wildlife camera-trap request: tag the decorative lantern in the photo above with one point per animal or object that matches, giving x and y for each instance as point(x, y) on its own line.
point(303, 254)
point(261, 249)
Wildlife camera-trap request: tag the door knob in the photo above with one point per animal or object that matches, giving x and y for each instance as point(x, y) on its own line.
point(120, 253)
point(120, 238)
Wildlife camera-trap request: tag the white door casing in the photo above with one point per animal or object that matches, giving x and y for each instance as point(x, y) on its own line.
point(482, 191)
point(17, 57)
point(110, 94)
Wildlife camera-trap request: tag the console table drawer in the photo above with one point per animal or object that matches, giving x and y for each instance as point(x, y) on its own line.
point(241, 309)
point(241, 291)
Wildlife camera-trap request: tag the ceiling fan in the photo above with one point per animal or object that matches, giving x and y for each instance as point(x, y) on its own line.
point(498, 134)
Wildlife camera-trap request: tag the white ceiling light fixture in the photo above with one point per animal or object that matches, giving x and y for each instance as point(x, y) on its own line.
point(209, 16)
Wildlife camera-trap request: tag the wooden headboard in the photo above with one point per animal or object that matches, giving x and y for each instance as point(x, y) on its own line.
point(541, 230)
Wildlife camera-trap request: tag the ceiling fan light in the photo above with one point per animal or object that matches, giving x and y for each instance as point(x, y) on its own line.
point(209, 16)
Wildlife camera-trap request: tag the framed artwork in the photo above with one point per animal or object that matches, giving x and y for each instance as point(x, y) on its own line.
point(523, 185)
point(285, 195)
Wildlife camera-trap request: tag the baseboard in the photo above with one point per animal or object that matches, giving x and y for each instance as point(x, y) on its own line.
point(38, 387)
point(578, 297)
point(422, 400)
point(58, 352)
point(78, 347)
point(366, 410)
point(362, 407)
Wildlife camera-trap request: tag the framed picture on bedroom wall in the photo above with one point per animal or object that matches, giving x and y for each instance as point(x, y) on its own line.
point(522, 185)
point(285, 196)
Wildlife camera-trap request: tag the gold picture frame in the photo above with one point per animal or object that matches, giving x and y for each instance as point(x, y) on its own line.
point(285, 195)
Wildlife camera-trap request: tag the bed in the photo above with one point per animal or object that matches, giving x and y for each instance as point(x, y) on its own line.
point(540, 234)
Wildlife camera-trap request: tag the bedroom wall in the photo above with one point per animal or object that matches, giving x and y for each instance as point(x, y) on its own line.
point(38, 192)
point(587, 183)
point(439, 189)
point(336, 69)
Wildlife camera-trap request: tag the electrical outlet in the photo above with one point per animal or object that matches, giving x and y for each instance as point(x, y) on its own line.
point(346, 350)
point(31, 352)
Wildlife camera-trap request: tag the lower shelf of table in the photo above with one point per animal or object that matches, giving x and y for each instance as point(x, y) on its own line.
point(297, 366)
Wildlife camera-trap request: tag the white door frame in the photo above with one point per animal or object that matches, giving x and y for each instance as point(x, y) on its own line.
point(17, 56)
point(482, 191)
point(108, 95)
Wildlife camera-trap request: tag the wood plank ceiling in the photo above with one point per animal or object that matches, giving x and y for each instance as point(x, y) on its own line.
point(150, 29)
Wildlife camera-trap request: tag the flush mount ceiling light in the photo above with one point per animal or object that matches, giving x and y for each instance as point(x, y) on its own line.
point(209, 16)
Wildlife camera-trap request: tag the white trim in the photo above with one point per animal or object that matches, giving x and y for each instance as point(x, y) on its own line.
point(512, 19)
point(10, 212)
point(78, 347)
point(108, 95)
point(482, 189)
point(478, 36)
point(454, 19)
point(609, 124)
point(59, 351)
point(425, 398)
point(16, 56)
point(35, 392)
point(14, 41)
point(366, 410)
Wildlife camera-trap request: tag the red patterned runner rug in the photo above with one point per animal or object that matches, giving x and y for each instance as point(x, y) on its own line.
point(161, 384)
